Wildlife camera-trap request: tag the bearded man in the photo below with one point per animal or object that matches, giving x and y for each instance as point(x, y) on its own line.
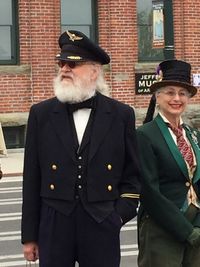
point(80, 181)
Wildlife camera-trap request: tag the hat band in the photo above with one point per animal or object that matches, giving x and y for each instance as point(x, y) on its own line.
point(181, 76)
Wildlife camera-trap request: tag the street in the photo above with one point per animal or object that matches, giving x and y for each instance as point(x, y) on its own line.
point(10, 216)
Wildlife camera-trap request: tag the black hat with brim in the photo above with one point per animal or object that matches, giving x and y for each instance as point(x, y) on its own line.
point(174, 72)
point(76, 46)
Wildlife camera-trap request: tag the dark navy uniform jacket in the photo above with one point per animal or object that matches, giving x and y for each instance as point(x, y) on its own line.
point(50, 165)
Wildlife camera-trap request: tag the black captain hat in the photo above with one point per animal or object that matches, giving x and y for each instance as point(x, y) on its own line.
point(76, 46)
point(174, 72)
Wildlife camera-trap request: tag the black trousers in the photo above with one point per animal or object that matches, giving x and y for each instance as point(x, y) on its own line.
point(63, 240)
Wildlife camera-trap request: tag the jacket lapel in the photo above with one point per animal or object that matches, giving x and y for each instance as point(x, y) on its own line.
point(103, 118)
point(172, 146)
point(61, 124)
point(196, 152)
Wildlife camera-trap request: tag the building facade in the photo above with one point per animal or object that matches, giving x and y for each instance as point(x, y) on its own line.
point(137, 34)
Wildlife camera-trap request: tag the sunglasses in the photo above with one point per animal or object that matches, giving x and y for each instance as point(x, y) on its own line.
point(70, 64)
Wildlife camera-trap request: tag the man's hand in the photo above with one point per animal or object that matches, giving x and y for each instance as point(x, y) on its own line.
point(31, 252)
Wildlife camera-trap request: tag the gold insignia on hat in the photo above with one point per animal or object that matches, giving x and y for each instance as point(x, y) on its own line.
point(74, 57)
point(73, 37)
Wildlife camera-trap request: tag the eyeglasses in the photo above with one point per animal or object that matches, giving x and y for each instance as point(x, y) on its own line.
point(172, 94)
point(70, 64)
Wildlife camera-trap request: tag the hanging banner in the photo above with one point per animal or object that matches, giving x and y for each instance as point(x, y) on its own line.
point(158, 25)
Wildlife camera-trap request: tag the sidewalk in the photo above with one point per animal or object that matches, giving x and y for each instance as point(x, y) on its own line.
point(12, 164)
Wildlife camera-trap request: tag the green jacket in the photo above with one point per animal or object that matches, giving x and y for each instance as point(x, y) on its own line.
point(164, 177)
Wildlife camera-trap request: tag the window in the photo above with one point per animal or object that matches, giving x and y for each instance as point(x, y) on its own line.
point(155, 30)
point(14, 136)
point(79, 15)
point(8, 32)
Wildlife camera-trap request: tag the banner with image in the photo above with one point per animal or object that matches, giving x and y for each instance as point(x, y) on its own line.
point(158, 25)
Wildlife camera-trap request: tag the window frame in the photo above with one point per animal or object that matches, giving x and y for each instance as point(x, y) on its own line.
point(14, 37)
point(93, 27)
point(168, 50)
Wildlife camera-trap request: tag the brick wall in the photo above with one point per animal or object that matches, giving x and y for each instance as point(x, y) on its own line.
point(31, 81)
point(118, 34)
point(39, 30)
point(187, 35)
point(39, 25)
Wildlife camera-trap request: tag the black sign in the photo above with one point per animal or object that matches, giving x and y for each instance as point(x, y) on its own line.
point(143, 81)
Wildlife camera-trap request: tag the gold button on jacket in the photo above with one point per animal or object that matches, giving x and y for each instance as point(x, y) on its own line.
point(54, 167)
point(109, 187)
point(109, 167)
point(187, 184)
point(52, 186)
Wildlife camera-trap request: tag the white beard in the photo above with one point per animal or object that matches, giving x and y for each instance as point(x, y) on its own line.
point(72, 93)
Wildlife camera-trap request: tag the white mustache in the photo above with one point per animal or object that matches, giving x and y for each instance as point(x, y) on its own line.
point(67, 74)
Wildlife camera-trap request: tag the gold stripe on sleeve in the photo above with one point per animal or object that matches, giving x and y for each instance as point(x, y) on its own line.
point(130, 195)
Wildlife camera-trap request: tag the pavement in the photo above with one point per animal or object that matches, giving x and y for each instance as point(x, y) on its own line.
point(12, 163)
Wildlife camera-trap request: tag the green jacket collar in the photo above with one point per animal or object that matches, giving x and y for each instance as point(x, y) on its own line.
point(190, 133)
point(172, 146)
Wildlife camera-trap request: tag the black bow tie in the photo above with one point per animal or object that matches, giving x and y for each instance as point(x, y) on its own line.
point(89, 103)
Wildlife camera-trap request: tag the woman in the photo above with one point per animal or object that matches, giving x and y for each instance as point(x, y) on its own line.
point(169, 215)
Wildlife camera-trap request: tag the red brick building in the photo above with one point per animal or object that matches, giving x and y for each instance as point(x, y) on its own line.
point(124, 28)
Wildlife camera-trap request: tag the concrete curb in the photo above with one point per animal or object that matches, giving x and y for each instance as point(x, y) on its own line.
point(11, 175)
